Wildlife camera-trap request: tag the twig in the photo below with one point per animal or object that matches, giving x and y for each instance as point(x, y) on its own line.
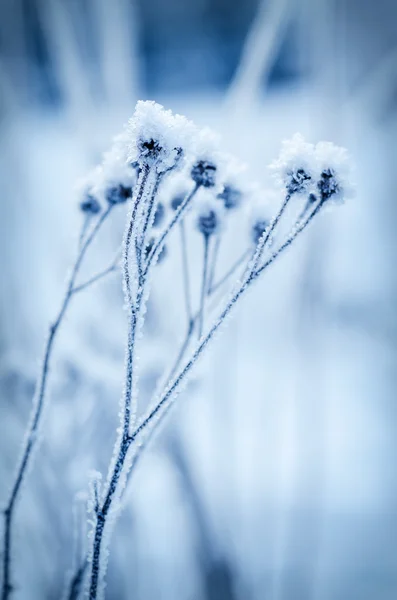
point(300, 227)
point(110, 269)
point(230, 272)
point(31, 436)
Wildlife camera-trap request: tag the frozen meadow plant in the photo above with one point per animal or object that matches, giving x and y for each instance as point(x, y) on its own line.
point(161, 144)
point(106, 186)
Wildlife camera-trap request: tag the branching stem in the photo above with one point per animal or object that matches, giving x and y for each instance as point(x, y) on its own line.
point(31, 435)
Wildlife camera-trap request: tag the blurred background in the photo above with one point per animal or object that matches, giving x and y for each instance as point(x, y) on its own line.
point(274, 477)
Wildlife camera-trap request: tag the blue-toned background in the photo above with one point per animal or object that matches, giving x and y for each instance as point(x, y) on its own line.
point(275, 477)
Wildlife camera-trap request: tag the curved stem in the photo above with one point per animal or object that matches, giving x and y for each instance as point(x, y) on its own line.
point(31, 435)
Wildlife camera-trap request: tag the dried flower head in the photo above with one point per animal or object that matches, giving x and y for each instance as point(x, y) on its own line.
point(235, 184)
point(204, 173)
point(259, 215)
point(208, 163)
point(334, 183)
point(90, 205)
point(296, 167)
point(115, 177)
point(209, 214)
point(157, 137)
point(231, 197)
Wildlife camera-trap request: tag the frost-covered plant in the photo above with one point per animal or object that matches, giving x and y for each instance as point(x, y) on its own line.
point(106, 186)
point(161, 143)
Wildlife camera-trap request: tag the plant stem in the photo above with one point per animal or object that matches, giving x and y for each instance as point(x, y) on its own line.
point(230, 272)
point(203, 286)
point(31, 435)
point(215, 254)
point(252, 274)
point(76, 583)
point(134, 309)
point(110, 269)
point(300, 227)
point(185, 271)
point(178, 215)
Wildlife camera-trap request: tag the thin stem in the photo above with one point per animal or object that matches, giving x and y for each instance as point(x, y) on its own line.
point(102, 515)
point(215, 254)
point(143, 177)
point(230, 272)
point(185, 271)
point(31, 435)
point(77, 579)
point(134, 309)
point(151, 209)
point(110, 269)
point(84, 228)
point(76, 583)
point(300, 227)
point(203, 286)
point(252, 274)
point(263, 241)
point(178, 215)
point(140, 240)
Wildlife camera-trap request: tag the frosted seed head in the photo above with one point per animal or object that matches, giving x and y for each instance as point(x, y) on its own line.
point(235, 183)
point(204, 173)
point(157, 137)
point(208, 165)
point(209, 214)
point(176, 201)
point(84, 190)
point(231, 197)
point(118, 194)
point(259, 214)
point(90, 205)
point(296, 168)
point(334, 182)
point(115, 178)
